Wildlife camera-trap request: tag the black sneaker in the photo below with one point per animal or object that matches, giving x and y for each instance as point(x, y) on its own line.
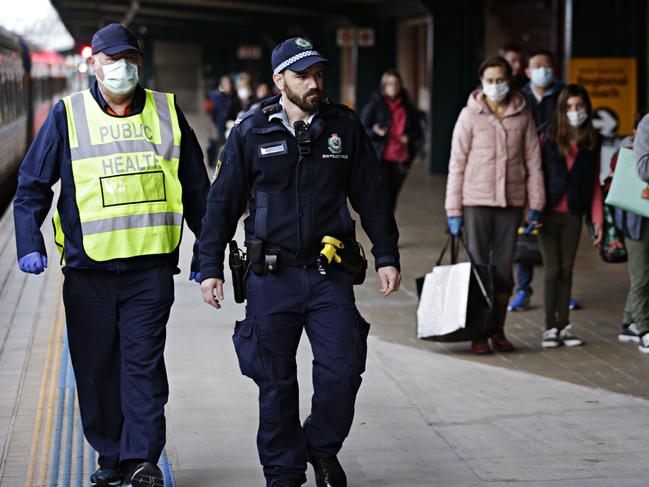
point(328, 471)
point(145, 474)
point(644, 343)
point(287, 483)
point(105, 477)
point(551, 338)
point(568, 339)
point(629, 334)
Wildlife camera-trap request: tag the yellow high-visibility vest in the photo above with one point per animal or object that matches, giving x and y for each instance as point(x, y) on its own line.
point(125, 172)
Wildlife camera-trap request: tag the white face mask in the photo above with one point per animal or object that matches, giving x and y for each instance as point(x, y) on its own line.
point(244, 93)
point(542, 77)
point(495, 92)
point(120, 77)
point(577, 118)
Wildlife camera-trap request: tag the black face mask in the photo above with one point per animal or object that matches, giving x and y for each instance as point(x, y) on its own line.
point(303, 137)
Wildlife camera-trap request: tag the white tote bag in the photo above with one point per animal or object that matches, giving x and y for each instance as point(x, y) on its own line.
point(443, 305)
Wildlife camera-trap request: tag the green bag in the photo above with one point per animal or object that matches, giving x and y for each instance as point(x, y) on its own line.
point(626, 188)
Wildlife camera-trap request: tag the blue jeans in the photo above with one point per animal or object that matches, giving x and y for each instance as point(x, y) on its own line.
point(524, 276)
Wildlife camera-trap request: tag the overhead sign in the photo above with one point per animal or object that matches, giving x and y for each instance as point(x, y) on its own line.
point(365, 37)
point(612, 84)
point(249, 52)
point(345, 36)
point(350, 36)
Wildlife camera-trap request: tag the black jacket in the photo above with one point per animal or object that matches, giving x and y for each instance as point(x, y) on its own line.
point(544, 110)
point(296, 200)
point(577, 184)
point(377, 111)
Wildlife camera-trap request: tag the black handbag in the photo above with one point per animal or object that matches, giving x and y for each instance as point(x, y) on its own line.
point(528, 249)
point(482, 313)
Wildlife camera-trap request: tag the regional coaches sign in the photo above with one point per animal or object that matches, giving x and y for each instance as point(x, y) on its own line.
point(612, 86)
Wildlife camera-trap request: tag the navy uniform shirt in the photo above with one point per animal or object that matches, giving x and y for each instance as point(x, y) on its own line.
point(49, 160)
point(296, 200)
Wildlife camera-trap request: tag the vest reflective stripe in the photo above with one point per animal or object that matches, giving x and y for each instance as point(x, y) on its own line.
point(125, 172)
point(131, 221)
point(85, 148)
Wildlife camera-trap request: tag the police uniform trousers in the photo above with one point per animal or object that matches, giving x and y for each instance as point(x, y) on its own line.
point(280, 305)
point(116, 324)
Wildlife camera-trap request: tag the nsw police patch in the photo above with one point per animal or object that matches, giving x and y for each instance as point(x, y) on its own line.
point(335, 144)
point(303, 43)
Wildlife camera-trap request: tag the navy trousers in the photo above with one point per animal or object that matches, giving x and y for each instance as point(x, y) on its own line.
point(116, 325)
point(280, 306)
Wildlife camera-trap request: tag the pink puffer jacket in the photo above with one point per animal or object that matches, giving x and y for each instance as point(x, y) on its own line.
point(494, 162)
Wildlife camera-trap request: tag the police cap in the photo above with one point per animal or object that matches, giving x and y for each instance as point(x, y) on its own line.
point(296, 54)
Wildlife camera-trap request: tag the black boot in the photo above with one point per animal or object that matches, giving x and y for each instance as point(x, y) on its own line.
point(287, 483)
point(328, 472)
point(145, 474)
point(105, 477)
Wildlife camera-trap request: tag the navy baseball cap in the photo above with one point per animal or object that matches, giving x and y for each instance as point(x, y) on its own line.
point(113, 39)
point(296, 54)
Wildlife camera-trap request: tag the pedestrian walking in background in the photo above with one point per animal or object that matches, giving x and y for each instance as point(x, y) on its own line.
point(225, 106)
point(513, 53)
point(633, 228)
point(638, 249)
point(392, 124)
point(571, 171)
point(541, 93)
point(245, 92)
point(262, 92)
point(495, 167)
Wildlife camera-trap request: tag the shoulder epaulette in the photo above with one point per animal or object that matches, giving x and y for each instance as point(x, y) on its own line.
point(270, 109)
point(244, 116)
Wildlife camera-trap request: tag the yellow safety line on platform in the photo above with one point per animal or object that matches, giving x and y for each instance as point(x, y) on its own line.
point(49, 375)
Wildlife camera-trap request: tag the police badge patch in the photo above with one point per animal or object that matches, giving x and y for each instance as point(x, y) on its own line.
point(303, 43)
point(335, 144)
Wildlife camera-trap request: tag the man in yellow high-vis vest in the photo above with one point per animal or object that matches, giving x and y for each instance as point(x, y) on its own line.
point(131, 171)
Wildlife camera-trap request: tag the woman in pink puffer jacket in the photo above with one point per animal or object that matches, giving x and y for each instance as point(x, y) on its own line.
point(494, 171)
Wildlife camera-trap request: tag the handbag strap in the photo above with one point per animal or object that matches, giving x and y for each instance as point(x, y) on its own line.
point(444, 249)
point(454, 243)
point(478, 279)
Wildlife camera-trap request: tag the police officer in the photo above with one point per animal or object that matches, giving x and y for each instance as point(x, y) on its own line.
point(293, 162)
point(130, 169)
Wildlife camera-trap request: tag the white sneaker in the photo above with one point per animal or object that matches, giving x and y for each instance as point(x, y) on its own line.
point(644, 343)
point(551, 338)
point(629, 334)
point(568, 339)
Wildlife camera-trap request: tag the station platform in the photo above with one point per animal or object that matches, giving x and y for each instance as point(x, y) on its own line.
point(427, 414)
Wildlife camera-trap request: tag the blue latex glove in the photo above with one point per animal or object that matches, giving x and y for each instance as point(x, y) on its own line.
point(455, 224)
point(534, 216)
point(33, 263)
point(195, 275)
point(534, 219)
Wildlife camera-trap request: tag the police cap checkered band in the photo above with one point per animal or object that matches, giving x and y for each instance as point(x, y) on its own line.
point(296, 54)
point(294, 59)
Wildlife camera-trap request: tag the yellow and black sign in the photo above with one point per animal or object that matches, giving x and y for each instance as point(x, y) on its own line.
point(612, 86)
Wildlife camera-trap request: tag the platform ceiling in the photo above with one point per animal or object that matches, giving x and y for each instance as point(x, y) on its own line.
point(201, 19)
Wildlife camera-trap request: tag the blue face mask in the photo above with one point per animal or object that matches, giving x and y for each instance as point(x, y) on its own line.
point(542, 77)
